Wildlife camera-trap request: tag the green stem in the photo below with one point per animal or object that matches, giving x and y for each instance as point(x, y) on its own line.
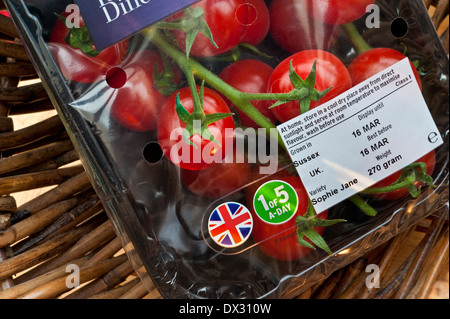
point(363, 206)
point(274, 96)
point(167, 25)
point(238, 98)
point(391, 188)
point(415, 172)
point(358, 41)
point(198, 112)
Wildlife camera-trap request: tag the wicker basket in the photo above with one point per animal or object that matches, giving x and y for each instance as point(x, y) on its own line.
point(63, 225)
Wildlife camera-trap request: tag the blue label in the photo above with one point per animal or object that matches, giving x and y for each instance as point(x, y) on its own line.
point(110, 21)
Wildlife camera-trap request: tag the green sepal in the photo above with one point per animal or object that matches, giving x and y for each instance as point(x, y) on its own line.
point(328, 222)
point(416, 63)
point(190, 38)
point(310, 81)
point(164, 81)
point(188, 132)
point(414, 192)
point(193, 23)
point(198, 125)
point(304, 105)
point(278, 103)
point(305, 228)
point(303, 242)
point(304, 90)
point(296, 80)
point(206, 133)
point(206, 31)
point(420, 69)
point(421, 175)
point(317, 240)
point(212, 118)
point(317, 96)
point(199, 14)
point(297, 94)
point(79, 38)
point(183, 114)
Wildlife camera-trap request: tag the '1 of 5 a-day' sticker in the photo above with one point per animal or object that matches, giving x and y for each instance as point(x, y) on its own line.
point(275, 202)
point(362, 136)
point(230, 224)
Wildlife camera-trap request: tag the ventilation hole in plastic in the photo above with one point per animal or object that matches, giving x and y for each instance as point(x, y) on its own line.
point(399, 27)
point(246, 14)
point(116, 77)
point(152, 153)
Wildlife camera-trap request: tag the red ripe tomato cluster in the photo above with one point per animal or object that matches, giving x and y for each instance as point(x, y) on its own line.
point(304, 29)
point(231, 22)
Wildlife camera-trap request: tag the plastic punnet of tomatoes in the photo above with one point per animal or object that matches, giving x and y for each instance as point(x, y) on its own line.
point(250, 148)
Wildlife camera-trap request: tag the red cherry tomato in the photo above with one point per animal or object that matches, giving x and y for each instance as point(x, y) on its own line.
point(429, 160)
point(227, 20)
point(78, 66)
point(170, 129)
point(280, 241)
point(219, 179)
point(338, 11)
point(258, 21)
point(331, 72)
point(374, 61)
point(295, 30)
point(138, 112)
point(250, 76)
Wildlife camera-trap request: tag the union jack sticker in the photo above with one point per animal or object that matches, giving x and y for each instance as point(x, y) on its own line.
point(230, 224)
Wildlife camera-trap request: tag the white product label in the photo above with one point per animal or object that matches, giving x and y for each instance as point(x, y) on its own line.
point(362, 136)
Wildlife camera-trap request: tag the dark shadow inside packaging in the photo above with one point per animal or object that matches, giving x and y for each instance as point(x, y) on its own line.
point(164, 221)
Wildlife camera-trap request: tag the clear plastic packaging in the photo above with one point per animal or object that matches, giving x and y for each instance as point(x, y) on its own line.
point(164, 211)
